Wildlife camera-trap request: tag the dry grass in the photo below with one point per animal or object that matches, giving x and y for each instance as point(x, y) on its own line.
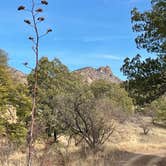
point(126, 143)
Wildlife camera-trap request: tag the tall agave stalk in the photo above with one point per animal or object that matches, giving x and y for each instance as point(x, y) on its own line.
point(35, 18)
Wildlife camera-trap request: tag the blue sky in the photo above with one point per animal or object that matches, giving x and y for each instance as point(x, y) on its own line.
point(85, 33)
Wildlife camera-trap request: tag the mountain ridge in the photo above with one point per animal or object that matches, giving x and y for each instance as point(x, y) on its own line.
point(89, 74)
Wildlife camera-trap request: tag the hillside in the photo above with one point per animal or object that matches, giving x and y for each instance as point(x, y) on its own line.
point(89, 75)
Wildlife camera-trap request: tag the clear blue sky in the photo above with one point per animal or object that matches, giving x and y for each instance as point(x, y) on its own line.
point(85, 33)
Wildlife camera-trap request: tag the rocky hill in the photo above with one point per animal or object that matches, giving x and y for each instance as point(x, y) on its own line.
point(91, 74)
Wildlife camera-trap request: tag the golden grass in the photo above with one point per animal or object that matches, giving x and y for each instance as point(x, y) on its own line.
point(126, 142)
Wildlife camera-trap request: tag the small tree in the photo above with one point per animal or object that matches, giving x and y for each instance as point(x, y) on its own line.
point(35, 10)
point(80, 117)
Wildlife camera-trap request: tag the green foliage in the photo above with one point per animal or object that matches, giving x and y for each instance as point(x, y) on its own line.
point(16, 133)
point(5, 81)
point(147, 79)
point(158, 108)
point(54, 80)
point(6, 87)
point(118, 96)
point(22, 102)
point(60, 92)
point(53, 77)
point(16, 95)
point(151, 27)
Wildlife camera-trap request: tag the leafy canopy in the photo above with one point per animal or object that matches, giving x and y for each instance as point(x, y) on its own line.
point(147, 79)
point(151, 28)
point(54, 80)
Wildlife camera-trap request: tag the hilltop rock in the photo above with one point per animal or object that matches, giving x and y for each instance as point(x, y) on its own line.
point(90, 74)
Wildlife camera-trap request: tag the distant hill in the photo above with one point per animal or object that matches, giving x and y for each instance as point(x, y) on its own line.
point(91, 74)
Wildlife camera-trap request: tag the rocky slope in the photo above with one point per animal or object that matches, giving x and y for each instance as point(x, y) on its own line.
point(90, 74)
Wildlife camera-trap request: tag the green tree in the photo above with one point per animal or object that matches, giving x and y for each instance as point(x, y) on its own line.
point(147, 79)
point(117, 95)
point(150, 27)
point(54, 79)
point(13, 97)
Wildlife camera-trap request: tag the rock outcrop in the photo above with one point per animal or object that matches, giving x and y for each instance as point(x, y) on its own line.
point(90, 74)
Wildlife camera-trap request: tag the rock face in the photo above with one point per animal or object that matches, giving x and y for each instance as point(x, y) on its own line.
point(90, 74)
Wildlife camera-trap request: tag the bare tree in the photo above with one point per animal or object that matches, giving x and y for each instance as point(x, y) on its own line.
point(80, 117)
point(35, 10)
